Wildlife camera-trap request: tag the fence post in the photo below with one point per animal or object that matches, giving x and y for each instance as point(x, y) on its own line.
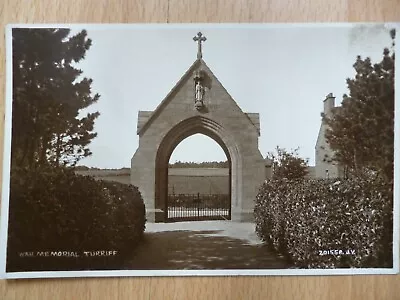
point(198, 205)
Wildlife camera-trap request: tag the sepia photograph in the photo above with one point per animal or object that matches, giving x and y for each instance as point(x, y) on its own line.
point(200, 150)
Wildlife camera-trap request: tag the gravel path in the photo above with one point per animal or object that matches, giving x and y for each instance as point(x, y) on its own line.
point(203, 245)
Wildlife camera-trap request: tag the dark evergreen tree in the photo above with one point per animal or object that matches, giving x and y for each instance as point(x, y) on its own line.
point(361, 131)
point(48, 95)
point(287, 165)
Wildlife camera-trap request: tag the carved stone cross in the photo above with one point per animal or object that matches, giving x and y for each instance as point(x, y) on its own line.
point(199, 38)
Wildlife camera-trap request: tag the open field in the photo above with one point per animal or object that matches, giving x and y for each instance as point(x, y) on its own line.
point(180, 180)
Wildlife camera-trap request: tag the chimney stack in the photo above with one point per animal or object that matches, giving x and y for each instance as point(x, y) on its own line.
point(329, 103)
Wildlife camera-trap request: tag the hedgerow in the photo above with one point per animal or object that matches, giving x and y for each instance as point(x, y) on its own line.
point(53, 209)
point(327, 223)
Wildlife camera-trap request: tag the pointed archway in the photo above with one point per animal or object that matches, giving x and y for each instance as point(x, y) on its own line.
point(198, 103)
point(178, 133)
point(199, 181)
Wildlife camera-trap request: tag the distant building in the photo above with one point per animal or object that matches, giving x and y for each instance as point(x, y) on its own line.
point(311, 172)
point(324, 166)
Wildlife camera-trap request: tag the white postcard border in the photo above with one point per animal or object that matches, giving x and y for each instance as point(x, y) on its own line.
point(158, 273)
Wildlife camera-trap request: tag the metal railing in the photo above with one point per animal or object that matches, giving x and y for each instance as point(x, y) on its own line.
point(196, 207)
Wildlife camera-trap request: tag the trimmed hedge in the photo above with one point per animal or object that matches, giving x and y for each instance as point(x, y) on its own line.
point(52, 209)
point(328, 223)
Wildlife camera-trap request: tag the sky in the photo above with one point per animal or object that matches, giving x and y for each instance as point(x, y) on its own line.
point(282, 72)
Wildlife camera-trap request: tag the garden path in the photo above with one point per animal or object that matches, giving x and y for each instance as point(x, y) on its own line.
point(203, 245)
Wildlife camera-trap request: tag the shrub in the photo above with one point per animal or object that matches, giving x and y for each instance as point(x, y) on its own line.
point(303, 219)
point(52, 209)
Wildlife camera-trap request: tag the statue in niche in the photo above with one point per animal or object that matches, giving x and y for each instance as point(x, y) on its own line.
point(199, 91)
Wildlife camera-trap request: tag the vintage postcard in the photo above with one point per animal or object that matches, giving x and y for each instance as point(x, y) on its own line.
point(200, 150)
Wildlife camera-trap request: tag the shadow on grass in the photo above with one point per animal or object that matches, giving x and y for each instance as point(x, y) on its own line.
point(184, 250)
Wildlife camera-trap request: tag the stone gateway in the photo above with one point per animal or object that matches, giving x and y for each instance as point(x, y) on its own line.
point(198, 103)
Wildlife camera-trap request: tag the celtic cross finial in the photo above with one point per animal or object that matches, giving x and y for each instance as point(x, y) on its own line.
point(199, 38)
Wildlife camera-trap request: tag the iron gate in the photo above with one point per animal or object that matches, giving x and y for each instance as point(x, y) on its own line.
point(197, 207)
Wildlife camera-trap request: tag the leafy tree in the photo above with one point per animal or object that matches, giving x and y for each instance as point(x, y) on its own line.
point(361, 131)
point(287, 165)
point(48, 95)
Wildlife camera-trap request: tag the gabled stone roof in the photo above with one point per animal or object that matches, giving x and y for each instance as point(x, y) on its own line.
point(145, 118)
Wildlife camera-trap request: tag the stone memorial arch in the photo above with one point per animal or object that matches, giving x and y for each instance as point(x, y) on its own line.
point(198, 103)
